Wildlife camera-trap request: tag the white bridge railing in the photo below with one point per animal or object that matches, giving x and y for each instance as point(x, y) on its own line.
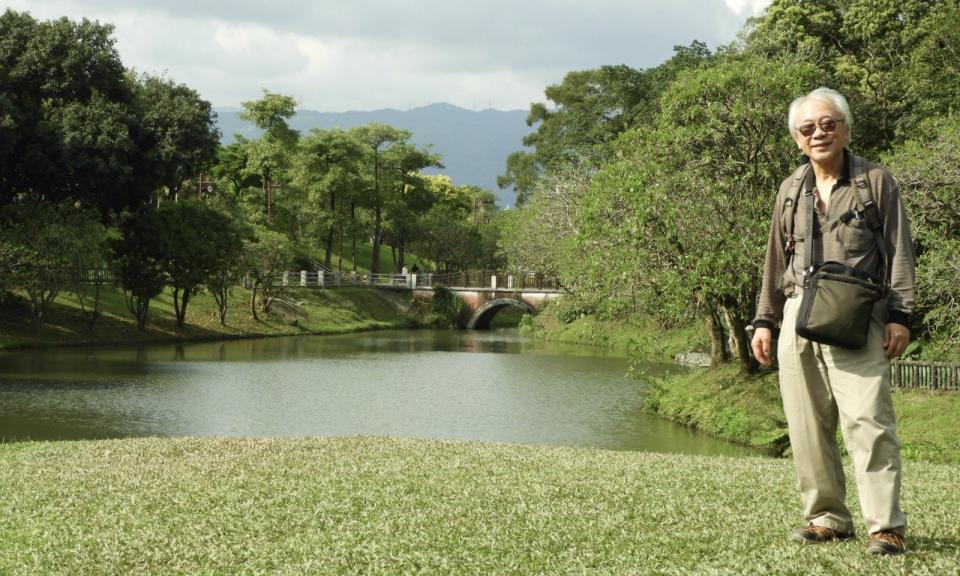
point(321, 279)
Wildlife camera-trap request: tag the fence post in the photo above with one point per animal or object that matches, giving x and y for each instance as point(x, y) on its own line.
point(286, 278)
point(412, 283)
point(493, 281)
point(303, 278)
point(509, 281)
point(353, 278)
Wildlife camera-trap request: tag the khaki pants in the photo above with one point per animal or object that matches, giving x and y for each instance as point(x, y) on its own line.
point(822, 385)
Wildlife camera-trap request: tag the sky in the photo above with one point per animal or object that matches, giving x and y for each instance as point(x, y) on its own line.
point(340, 55)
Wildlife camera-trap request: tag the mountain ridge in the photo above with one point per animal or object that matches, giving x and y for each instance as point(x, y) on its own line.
point(473, 144)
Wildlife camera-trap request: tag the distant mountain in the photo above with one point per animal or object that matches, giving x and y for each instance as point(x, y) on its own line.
point(474, 144)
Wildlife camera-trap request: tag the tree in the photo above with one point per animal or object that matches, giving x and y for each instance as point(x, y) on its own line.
point(928, 170)
point(702, 177)
point(329, 167)
point(63, 97)
point(377, 138)
point(586, 114)
point(178, 131)
point(268, 255)
point(884, 55)
point(43, 246)
point(89, 251)
point(403, 163)
point(197, 246)
point(77, 127)
point(269, 156)
point(136, 257)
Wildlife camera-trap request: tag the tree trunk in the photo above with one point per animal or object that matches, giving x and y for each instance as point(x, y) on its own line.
point(377, 237)
point(253, 301)
point(95, 315)
point(329, 251)
point(182, 312)
point(353, 234)
point(718, 345)
point(740, 342)
point(401, 261)
point(143, 308)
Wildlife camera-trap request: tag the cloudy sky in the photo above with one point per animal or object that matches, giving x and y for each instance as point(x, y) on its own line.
point(338, 55)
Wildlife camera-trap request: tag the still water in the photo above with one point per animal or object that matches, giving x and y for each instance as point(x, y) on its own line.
point(490, 386)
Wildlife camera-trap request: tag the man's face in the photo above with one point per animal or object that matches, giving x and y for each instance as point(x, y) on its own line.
point(822, 146)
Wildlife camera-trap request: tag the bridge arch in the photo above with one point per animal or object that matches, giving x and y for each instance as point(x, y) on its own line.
point(485, 313)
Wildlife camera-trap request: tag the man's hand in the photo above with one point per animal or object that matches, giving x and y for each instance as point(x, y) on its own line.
point(895, 339)
point(762, 337)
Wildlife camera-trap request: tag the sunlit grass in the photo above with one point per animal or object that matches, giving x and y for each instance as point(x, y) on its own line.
point(312, 311)
point(379, 506)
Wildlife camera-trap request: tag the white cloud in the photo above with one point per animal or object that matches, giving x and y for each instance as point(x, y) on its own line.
point(748, 7)
point(364, 54)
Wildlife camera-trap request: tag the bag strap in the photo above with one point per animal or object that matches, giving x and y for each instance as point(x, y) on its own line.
point(790, 207)
point(811, 245)
point(870, 212)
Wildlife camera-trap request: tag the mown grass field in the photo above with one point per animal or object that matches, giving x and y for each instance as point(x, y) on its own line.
point(383, 506)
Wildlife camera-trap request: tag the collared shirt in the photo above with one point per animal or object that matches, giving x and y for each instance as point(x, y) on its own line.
point(851, 243)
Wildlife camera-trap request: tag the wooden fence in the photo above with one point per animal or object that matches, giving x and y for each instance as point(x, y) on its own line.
point(924, 375)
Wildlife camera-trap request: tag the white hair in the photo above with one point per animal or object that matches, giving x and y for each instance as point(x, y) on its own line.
point(826, 95)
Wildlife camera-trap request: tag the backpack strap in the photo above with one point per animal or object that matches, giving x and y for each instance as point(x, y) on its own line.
point(790, 207)
point(869, 211)
point(811, 246)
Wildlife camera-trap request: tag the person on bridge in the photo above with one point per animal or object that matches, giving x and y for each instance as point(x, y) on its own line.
point(823, 383)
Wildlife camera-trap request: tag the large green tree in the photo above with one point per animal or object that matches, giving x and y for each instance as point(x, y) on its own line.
point(268, 157)
point(329, 166)
point(586, 113)
point(45, 249)
point(76, 126)
point(928, 169)
point(693, 192)
point(196, 246)
point(893, 59)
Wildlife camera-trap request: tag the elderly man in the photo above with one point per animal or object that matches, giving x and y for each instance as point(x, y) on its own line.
point(823, 384)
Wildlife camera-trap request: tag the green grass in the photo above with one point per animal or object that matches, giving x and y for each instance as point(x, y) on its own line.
point(638, 334)
point(747, 410)
point(382, 506)
point(317, 312)
point(725, 404)
point(365, 257)
point(929, 424)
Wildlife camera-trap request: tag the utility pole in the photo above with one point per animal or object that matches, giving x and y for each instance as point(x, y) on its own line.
point(203, 185)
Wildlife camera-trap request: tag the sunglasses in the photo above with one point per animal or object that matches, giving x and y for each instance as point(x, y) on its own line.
point(827, 124)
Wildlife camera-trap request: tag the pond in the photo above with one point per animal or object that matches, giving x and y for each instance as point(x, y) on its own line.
point(492, 386)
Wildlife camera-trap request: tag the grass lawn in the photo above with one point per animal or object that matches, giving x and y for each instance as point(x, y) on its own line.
point(325, 311)
point(383, 506)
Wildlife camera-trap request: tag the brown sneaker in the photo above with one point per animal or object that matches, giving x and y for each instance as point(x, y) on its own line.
point(886, 543)
point(813, 534)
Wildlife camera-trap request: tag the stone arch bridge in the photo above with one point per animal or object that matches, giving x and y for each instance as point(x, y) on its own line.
point(484, 292)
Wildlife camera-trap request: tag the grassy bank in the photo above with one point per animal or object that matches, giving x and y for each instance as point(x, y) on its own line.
point(639, 334)
point(379, 506)
point(747, 410)
point(304, 311)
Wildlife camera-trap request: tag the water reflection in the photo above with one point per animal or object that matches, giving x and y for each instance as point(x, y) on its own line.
point(492, 386)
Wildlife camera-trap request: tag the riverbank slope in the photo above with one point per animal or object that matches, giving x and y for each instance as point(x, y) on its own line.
point(384, 506)
point(301, 311)
point(743, 409)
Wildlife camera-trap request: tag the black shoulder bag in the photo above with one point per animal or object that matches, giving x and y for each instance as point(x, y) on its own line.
point(838, 300)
